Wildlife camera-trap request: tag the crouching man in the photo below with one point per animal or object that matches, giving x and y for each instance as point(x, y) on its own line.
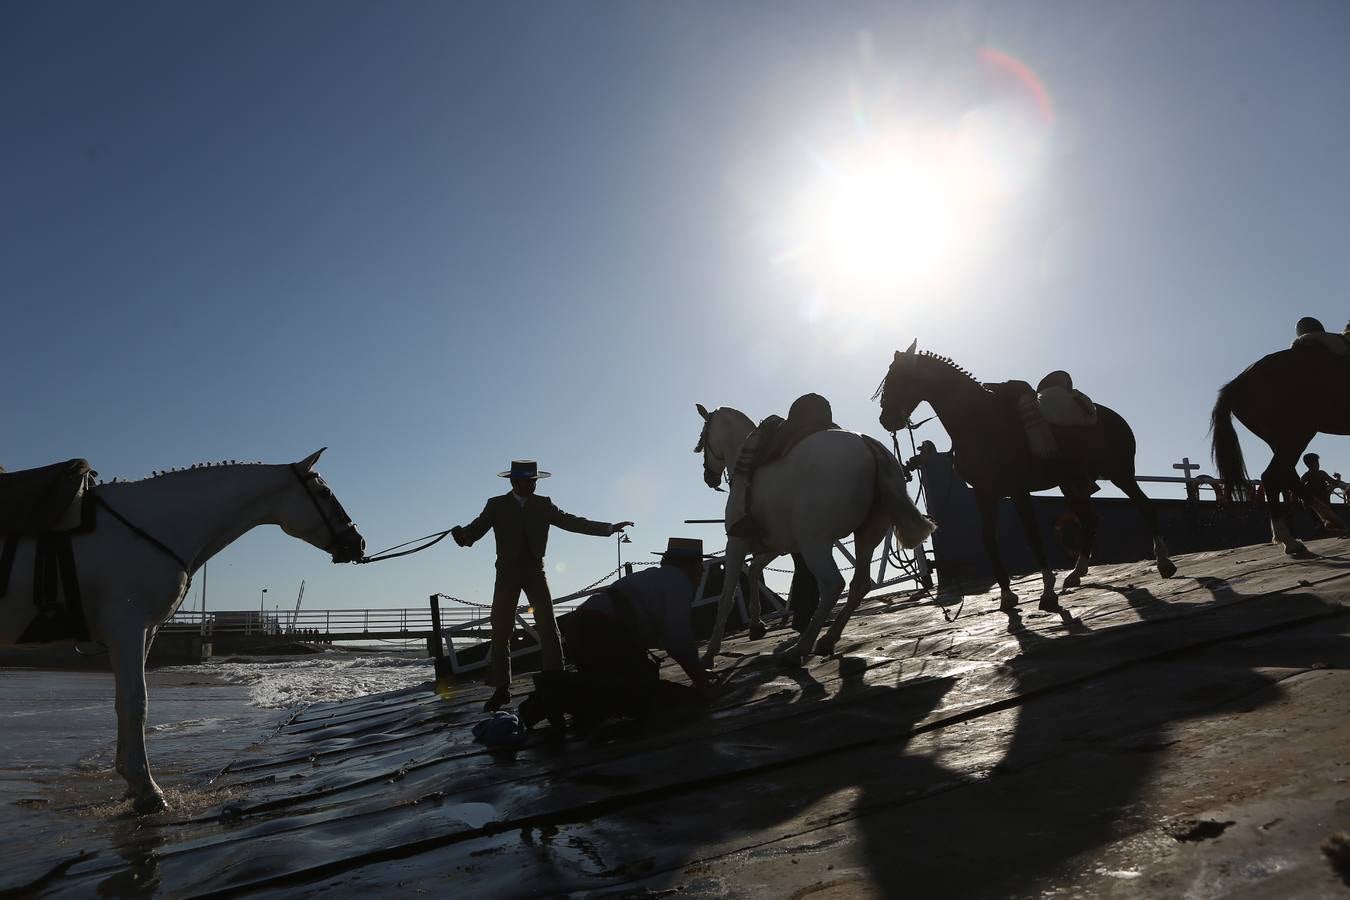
point(607, 638)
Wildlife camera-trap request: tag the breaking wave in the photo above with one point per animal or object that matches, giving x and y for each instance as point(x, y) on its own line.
point(281, 683)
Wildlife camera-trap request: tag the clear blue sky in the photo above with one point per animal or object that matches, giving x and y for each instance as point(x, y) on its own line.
point(436, 236)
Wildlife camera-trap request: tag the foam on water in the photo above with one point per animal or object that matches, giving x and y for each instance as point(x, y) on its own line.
point(280, 683)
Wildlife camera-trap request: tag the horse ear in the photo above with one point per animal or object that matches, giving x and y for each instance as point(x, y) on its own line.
point(308, 463)
point(701, 411)
point(913, 347)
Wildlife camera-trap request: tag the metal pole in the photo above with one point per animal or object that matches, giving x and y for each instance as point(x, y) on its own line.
point(203, 598)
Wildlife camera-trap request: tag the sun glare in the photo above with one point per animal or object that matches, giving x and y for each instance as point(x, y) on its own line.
point(888, 218)
point(904, 208)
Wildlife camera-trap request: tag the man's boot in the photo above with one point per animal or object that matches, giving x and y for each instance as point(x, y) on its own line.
point(549, 701)
point(500, 697)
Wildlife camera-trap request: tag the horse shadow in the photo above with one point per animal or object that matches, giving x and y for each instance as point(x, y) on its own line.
point(1078, 755)
point(1081, 787)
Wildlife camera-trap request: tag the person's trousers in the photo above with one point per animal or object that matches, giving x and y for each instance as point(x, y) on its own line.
point(505, 596)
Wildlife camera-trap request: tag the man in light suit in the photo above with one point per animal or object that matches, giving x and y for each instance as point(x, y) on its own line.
point(520, 521)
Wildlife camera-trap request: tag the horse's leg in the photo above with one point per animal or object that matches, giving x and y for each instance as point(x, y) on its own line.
point(1281, 476)
point(732, 563)
point(1087, 517)
point(126, 651)
point(1022, 503)
point(820, 560)
point(864, 547)
point(753, 602)
point(1131, 489)
point(988, 505)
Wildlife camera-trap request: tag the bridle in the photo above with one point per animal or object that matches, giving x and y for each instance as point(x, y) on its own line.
point(306, 478)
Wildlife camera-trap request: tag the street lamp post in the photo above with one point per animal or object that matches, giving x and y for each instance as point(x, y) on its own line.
point(262, 613)
point(620, 540)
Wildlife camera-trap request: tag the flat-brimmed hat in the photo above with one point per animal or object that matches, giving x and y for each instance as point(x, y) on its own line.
point(523, 468)
point(690, 547)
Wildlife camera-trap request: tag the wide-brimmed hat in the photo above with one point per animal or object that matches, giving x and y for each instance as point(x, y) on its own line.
point(689, 547)
point(523, 468)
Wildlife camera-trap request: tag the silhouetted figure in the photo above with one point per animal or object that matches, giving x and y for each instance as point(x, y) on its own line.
point(608, 637)
point(774, 437)
point(520, 521)
point(1317, 482)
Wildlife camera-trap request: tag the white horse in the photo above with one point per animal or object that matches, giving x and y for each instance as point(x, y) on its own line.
point(134, 568)
point(830, 485)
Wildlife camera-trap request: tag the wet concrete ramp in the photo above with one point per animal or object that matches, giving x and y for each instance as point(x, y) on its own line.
point(1186, 736)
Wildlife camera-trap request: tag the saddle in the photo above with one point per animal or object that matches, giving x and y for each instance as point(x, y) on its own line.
point(1053, 402)
point(48, 504)
point(1063, 405)
point(775, 437)
point(45, 500)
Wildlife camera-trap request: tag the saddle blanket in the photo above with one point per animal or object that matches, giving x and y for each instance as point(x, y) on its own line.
point(1324, 340)
point(1067, 408)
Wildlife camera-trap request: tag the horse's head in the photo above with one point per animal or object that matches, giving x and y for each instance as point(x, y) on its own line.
point(713, 464)
point(311, 513)
point(902, 390)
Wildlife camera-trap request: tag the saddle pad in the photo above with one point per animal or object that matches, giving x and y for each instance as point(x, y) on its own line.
point(1324, 340)
point(1067, 408)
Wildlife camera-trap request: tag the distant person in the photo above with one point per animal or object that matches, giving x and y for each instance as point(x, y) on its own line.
point(608, 637)
point(1316, 482)
point(520, 520)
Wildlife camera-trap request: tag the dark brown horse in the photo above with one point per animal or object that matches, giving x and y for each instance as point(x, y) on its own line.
point(1285, 399)
point(993, 455)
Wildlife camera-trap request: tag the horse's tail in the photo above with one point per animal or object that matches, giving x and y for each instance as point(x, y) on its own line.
point(912, 527)
point(1226, 449)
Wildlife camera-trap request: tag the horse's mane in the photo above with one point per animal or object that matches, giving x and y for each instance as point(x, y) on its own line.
point(160, 473)
point(945, 361)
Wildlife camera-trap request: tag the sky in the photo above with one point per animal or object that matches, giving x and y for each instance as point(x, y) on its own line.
point(435, 236)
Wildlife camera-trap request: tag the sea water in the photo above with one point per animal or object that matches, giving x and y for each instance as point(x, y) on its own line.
point(284, 682)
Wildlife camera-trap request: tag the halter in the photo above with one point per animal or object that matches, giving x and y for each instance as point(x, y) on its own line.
point(305, 478)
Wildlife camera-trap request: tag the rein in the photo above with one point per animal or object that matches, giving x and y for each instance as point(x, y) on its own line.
point(145, 535)
point(437, 537)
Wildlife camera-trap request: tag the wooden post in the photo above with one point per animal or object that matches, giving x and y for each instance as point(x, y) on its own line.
point(445, 665)
point(434, 647)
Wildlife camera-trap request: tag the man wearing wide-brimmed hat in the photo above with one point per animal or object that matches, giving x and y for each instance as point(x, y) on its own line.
point(520, 520)
point(608, 637)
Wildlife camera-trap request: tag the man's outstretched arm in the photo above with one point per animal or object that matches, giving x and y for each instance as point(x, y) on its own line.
point(568, 522)
point(468, 534)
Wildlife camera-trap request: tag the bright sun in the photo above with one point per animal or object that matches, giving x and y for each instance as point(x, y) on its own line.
point(889, 217)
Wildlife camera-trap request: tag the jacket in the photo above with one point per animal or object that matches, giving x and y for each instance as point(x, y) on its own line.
point(522, 531)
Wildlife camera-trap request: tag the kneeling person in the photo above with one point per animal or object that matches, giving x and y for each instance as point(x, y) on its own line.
point(607, 638)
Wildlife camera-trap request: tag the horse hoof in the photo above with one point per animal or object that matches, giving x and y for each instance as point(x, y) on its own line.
point(1166, 568)
point(1049, 602)
point(790, 660)
point(1072, 580)
point(758, 631)
point(709, 660)
point(824, 647)
point(1009, 603)
point(149, 804)
point(1295, 549)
